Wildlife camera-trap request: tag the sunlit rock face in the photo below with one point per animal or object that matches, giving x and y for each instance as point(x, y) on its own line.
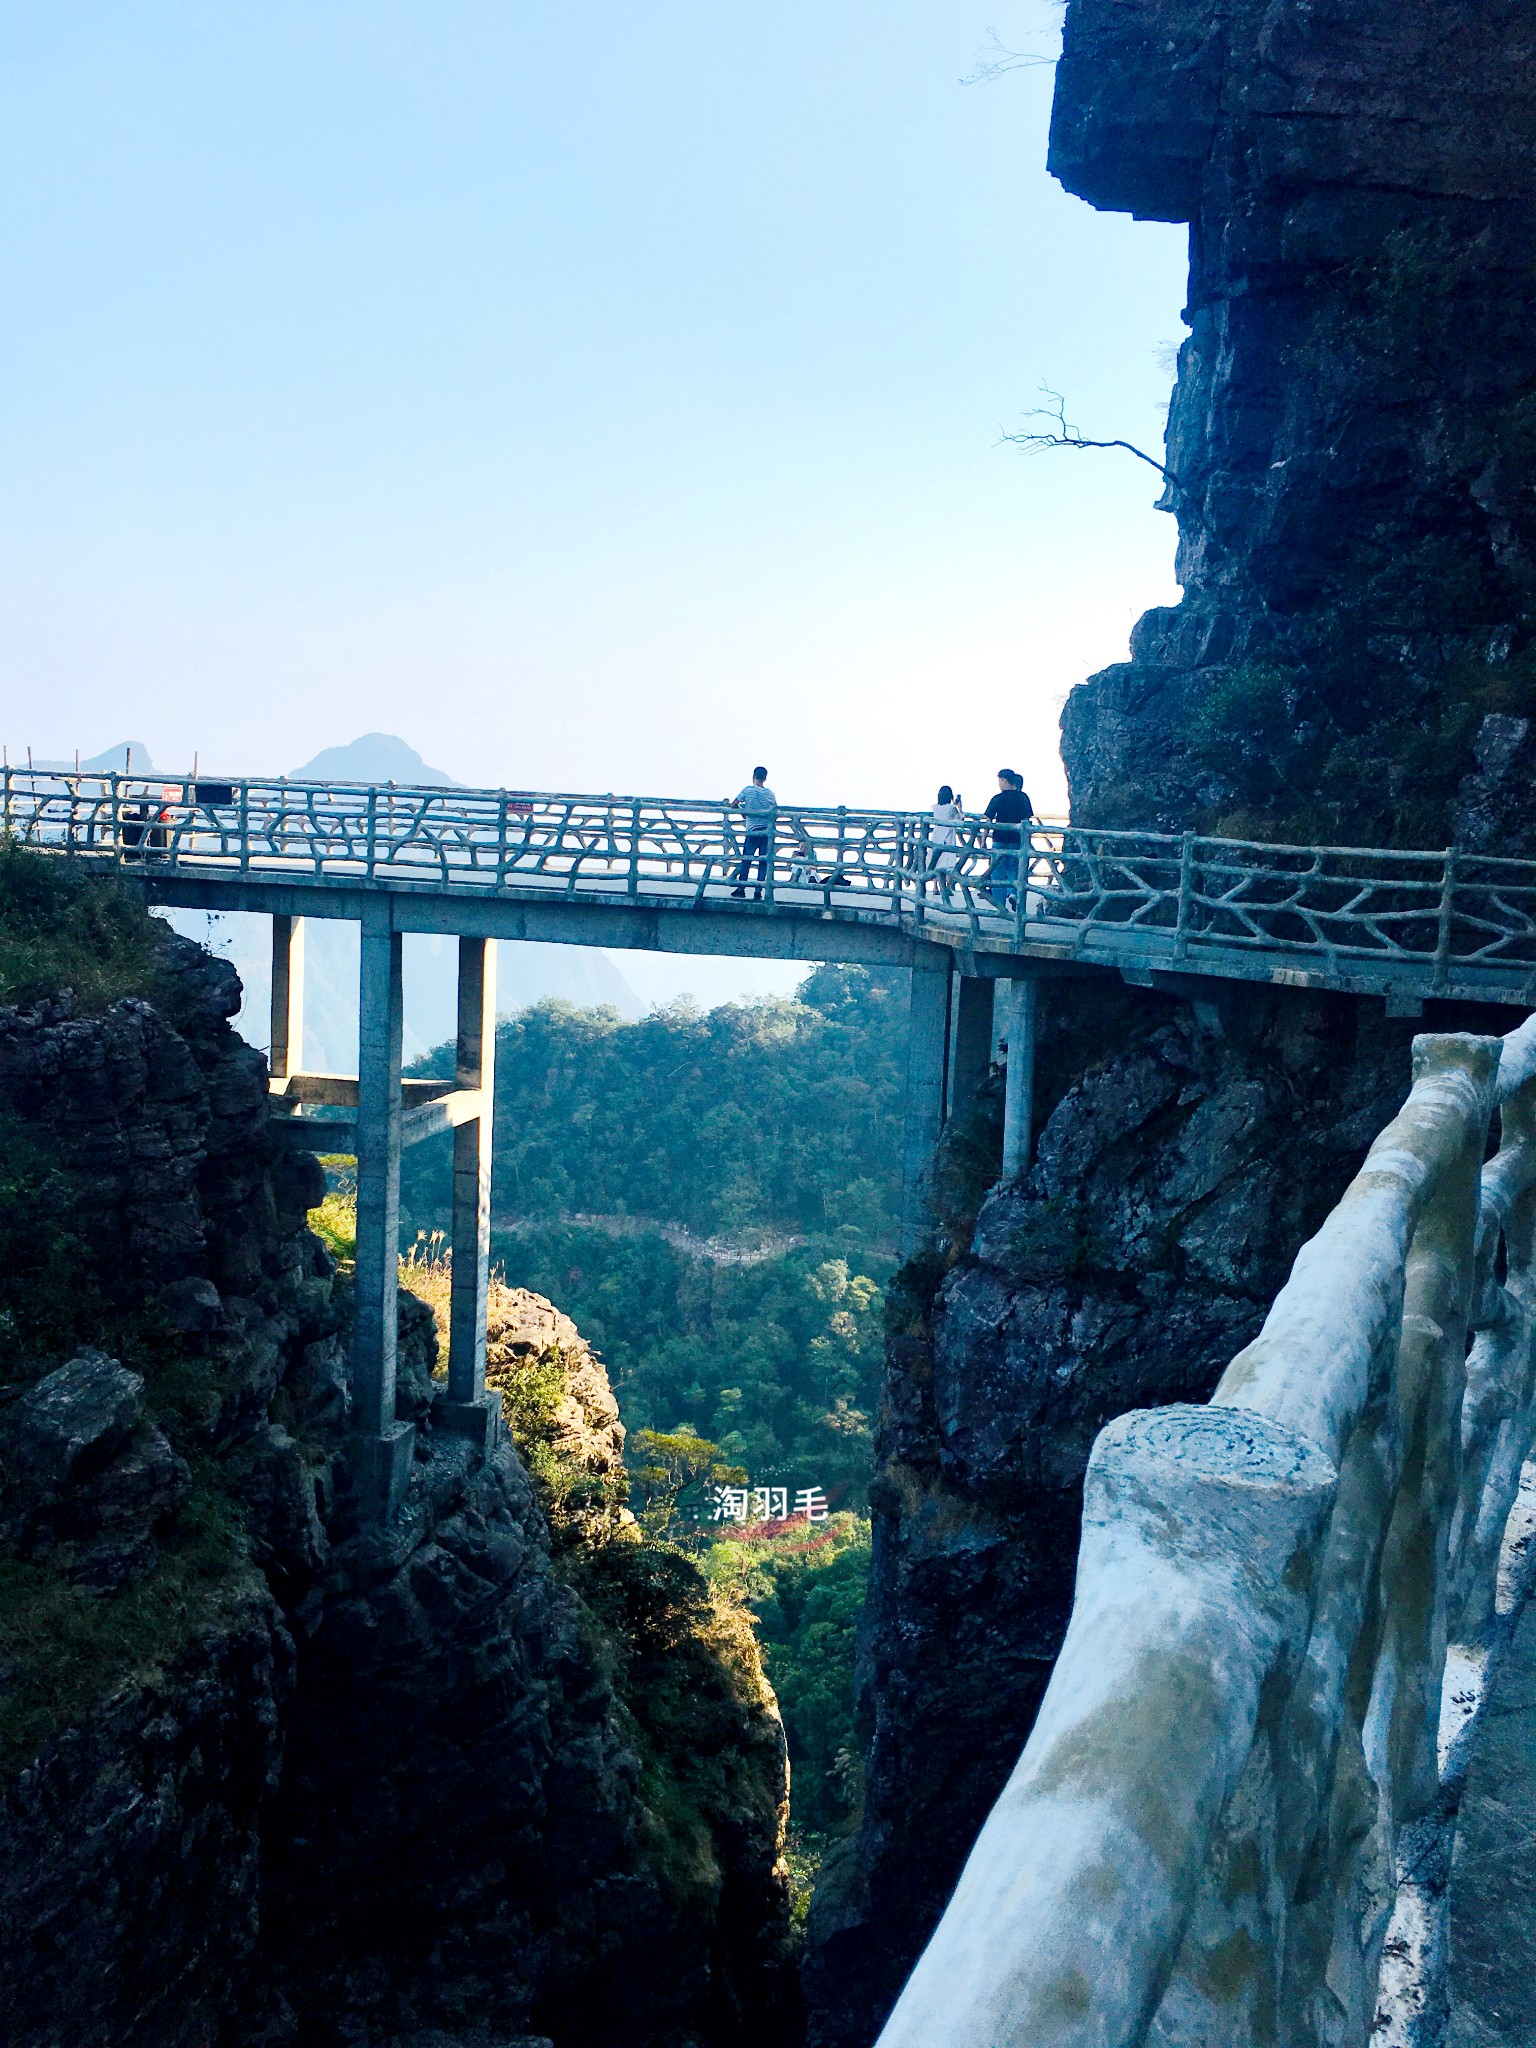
point(1352, 440)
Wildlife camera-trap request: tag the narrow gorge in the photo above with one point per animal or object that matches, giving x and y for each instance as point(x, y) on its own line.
point(499, 1764)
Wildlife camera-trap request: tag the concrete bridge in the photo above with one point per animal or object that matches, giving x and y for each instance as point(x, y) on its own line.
point(1181, 913)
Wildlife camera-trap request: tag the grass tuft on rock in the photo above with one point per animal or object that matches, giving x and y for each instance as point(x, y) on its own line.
point(65, 1650)
point(66, 927)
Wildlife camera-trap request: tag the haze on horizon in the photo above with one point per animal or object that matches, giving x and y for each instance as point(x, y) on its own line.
point(596, 398)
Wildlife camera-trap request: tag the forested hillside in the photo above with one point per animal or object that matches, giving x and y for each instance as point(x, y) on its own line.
point(713, 1199)
point(712, 1196)
point(777, 1114)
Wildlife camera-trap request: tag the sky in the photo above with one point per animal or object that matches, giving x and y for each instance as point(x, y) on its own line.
point(599, 397)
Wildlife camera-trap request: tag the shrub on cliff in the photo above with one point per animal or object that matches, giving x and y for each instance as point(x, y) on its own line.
point(64, 927)
point(805, 1587)
point(120, 1533)
point(682, 1655)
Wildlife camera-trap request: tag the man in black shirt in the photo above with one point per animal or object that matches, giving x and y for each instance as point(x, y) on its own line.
point(1007, 812)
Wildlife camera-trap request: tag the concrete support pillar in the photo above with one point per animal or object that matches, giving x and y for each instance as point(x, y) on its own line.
point(1019, 1097)
point(927, 1071)
point(287, 997)
point(383, 1445)
point(971, 1053)
point(467, 1407)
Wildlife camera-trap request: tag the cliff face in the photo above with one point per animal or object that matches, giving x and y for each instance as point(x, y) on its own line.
point(1180, 1165)
point(267, 1775)
point(1353, 433)
point(1354, 660)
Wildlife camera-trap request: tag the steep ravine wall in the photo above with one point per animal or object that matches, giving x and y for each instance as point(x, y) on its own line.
point(501, 1770)
point(1353, 660)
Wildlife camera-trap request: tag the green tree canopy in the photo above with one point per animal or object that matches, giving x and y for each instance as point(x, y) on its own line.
point(780, 1115)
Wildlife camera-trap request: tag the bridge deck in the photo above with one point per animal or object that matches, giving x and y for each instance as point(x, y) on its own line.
point(683, 876)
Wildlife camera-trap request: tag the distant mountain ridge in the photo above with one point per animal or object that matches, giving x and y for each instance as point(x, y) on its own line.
point(376, 757)
point(530, 971)
point(373, 757)
point(114, 760)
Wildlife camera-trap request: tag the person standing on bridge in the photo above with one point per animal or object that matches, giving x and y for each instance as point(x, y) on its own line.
point(944, 838)
point(759, 807)
point(1008, 811)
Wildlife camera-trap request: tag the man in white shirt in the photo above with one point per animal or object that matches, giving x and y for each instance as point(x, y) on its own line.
point(759, 807)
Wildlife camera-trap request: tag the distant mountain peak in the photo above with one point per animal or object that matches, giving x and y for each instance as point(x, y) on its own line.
point(376, 757)
point(113, 760)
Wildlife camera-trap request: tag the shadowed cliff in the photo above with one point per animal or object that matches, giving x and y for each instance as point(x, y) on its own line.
point(504, 1769)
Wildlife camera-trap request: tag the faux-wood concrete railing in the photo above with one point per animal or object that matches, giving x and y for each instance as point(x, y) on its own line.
point(1236, 1759)
point(1366, 919)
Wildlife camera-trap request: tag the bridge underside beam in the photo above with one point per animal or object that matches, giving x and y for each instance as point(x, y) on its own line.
point(753, 931)
point(745, 933)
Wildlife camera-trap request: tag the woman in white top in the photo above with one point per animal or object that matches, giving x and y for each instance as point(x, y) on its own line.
point(943, 838)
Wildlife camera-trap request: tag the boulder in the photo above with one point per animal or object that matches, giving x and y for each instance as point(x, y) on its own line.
point(94, 1479)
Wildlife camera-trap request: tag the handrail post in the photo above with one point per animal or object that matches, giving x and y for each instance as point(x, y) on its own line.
point(1447, 911)
point(634, 848)
point(373, 808)
point(245, 826)
point(7, 813)
point(501, 843)
point(1186, 894)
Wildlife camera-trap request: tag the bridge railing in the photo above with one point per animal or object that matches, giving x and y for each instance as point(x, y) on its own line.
point(498, 839)
point(1335, 905)
point(1205, 1836)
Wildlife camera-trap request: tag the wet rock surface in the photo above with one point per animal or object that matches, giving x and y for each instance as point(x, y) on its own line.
point(268, 1775)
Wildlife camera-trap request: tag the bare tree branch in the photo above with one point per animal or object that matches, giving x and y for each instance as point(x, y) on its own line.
point(996, 59)
point(1061, 433)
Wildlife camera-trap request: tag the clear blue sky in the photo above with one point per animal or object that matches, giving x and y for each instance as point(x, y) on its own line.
point(599, 396)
